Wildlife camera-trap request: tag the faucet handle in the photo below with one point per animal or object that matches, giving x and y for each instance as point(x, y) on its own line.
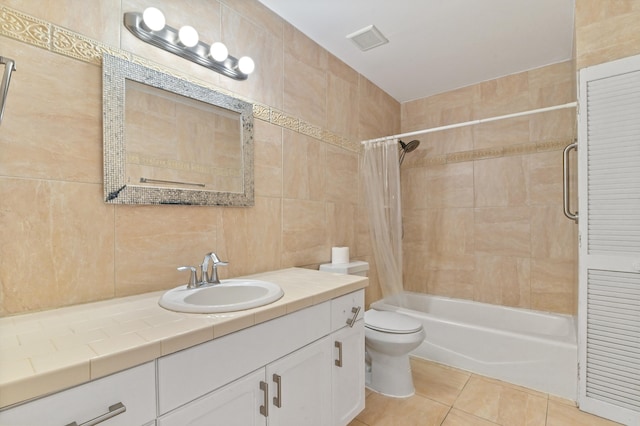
point(193, 278)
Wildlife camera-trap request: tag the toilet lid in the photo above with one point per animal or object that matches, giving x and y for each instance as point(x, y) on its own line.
point(391, 322)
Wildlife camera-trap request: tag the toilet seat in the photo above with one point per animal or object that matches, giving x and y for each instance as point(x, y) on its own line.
point(391, 322)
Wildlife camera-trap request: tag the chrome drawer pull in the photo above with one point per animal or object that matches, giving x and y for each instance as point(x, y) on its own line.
point(352, 321)
point(277, 400)
point(338, 362)
point(264, 409)
point(114, 410)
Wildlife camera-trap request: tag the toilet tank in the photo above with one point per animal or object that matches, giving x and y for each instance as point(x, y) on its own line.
point(356, 267)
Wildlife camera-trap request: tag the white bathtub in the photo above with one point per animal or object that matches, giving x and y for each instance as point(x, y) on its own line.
point(534, 349)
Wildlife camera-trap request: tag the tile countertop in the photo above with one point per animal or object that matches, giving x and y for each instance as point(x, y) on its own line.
point(53, 350)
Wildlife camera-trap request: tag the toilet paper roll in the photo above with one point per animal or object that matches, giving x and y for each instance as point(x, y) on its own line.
point(340, 255)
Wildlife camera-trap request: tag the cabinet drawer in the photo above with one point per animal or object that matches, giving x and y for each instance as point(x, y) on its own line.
point(342, 309)
point(134, 388)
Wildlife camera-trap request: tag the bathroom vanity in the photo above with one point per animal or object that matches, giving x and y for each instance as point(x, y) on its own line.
point(297, 361)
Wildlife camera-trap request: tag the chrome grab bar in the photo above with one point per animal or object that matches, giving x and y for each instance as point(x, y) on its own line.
point(114, 410)
point(9, 67)
point(565, 178)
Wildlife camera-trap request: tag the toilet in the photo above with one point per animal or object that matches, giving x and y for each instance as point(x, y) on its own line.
point(389, 337)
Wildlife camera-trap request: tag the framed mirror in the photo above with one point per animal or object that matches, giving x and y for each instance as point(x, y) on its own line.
point(171, 141)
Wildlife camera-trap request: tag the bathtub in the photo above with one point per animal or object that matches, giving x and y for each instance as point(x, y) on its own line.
point(534, 349)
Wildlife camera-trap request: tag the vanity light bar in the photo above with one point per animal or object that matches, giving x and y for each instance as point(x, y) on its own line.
point(168, 39)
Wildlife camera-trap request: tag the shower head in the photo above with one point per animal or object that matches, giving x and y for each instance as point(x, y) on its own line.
point(407, 147)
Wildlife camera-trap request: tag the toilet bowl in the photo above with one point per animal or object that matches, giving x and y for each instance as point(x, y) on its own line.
point(389, 337)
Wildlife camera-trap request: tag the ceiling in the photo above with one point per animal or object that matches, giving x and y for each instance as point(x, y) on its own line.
point(437, 45)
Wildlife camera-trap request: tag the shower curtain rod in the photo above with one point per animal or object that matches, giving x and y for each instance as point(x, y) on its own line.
point(472, 122)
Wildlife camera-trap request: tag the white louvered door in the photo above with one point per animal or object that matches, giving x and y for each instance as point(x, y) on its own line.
point(609, 209)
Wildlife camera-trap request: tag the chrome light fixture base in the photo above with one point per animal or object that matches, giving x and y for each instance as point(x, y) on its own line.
point(167, 39)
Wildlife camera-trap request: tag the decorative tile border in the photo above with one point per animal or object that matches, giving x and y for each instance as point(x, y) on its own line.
point(25, 28)
point(46, 35)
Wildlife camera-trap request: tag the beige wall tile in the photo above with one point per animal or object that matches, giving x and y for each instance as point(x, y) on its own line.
point(305, 90)
point(501, 182)
point(452, 282)
point(448, 185)
point(503, 231)
point(57, 245)
point(152, 241)
point(250, 238)
point(605, 31)
point(304, 233)
point(52, 129)
point(342, 105)
point(553, 236)
point(303, 167)
point(503, 280)
point(340, 175)
point(500, 133)
point(268, 159)
point(379, 112)
point(553, 125)
point(341, 218)
point(503, 96)
point(554, 285)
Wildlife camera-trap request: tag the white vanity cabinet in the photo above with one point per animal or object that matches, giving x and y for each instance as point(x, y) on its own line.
point(135, 389)
point(287, 367)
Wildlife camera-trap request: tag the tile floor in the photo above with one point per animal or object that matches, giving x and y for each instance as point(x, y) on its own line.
point(450, 397)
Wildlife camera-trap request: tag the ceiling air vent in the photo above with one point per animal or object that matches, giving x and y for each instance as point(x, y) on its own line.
point(368, 38)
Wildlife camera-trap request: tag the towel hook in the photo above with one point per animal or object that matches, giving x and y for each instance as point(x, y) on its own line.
point(9, 67)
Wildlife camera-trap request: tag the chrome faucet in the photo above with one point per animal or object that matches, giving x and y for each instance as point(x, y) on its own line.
point(205, 278)
point(215, 262)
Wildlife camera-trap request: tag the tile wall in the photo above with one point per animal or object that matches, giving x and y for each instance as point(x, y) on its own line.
point(483, 204)
point(63, 245)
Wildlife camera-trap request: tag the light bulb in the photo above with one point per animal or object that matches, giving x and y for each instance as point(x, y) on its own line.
point(218, 51)
point(153, 19)
point(188, 36)
point(246, 65)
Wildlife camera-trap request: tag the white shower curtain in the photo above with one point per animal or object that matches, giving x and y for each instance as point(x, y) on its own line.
point(381, 175)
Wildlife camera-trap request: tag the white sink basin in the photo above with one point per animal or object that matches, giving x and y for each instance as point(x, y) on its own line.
point(229, 295)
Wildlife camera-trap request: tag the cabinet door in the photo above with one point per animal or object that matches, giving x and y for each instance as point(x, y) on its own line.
point(300, 387)
point(348, 373)
point(236, 404)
